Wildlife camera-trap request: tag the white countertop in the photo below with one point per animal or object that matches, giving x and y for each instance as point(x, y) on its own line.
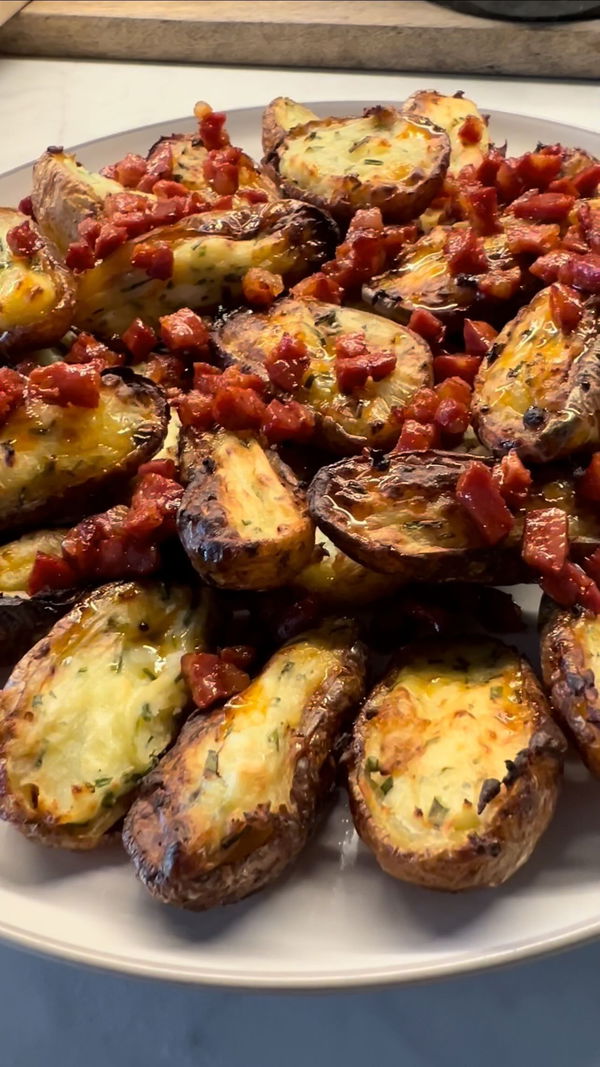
point(542, 1013)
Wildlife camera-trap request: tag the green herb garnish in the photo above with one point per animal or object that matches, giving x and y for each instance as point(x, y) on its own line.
point(371, 764)
point(149, 674)
point(437, 812)
point(99, 783)
point(212, 762)
point(386, 785)
point(146, 712)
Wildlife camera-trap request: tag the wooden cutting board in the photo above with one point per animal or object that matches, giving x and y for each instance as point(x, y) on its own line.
point(400, 35)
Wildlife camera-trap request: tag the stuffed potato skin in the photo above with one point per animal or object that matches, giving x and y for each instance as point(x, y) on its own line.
point(346, 423)
point(384, 159)
point(211, 254)
point(23, 618)
point(455, 765)
point(422, 279)
point(339, 581)
point(453, 114)
point(400, 516)
point(243, 519)
point(37, 295)
point(64, 193)
point(570, 653)
point(188, 157)
point(56, 460)
point(90, 709)
point(235, 801)
point(538, 389)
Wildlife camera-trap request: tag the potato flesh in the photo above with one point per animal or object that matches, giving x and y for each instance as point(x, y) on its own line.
point(586, 634)
point(101, 720)
point(289, 114)
point(258, 505)
point(188, 168)
point(361, 148)
point(56, 447)
point(27, 291)
point(319, 326)
point(17, 557)
point(99, 185)
point(534, 362)
point(448, 724)
point(205, 267)
point(246, 761)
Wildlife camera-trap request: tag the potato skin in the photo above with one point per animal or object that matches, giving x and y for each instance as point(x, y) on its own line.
point(212, 252)
point(344, 424)
point(345, 494)
point(217, 546)
point(398, 200)
point(561, 379)
point(570, 679)
point(517, 820)
point(21, 327)
point(75, 501)
point(163, 835)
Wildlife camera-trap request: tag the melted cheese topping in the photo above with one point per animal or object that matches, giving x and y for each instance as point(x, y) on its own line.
point(364, 148)
point(104, 702)
point(27, 290)
point(207, 271)
point(445, 724)
point(17, 557)
point(246, 761)
point(258, 505)
point(44, 448)
point(96, 183)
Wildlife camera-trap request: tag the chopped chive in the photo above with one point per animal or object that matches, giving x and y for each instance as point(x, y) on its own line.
point(101, 782)
point(212, 762)
point(37, 702)
point(437, 812)
point(386, 785)
point(149, 674)
point(371, 764)
point(273, 739)
point(374, 162)
point(146, 712)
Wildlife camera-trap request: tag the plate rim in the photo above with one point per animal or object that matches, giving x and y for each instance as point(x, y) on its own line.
point(356, 978)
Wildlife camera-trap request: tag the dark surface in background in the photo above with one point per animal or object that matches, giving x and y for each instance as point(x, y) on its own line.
point(546, 10)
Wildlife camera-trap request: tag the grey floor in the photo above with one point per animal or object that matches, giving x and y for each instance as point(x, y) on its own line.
point(544, 1013)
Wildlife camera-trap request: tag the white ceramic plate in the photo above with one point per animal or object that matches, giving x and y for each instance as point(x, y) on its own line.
point(336, 919)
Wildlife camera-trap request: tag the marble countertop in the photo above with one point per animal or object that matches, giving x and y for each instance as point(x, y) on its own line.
point(537, 1013)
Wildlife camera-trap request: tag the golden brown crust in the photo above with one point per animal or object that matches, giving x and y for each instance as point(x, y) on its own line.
point(511, 821)
point(243, 519)
point(183, 850)
point(63, 194)
point(570, 678)
point(344, 192)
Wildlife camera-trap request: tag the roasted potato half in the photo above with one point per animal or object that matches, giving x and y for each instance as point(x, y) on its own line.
point(25, 618)
point(59, 463)
point(462, 121)
point(64, 193)
point(212, 253)
point(570, 651)
point(346, 423)
point(243, 519)
point(538, 390)
point(383, 159)
point(235, 801)
point(188, 156)
point(400, 516)
point(36, 293)
point(88, 712)
point(455, 765)
point(423, 279)
point(336, 579)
